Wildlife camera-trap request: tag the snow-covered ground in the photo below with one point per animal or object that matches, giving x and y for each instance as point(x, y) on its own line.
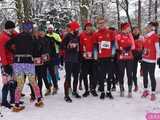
point(87, 108)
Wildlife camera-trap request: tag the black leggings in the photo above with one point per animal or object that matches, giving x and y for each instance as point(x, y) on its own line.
point(10, 86)
point(50, 66)
point(105, 67)
point(128, 65)
point(149, 68)
point(71, 69)
point(89, 67)
point(135, 66)
point(41, 74)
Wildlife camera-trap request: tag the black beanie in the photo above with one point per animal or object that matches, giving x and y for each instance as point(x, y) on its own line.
point(9, 25)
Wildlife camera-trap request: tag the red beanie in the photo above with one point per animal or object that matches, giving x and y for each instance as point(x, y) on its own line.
point(125, 26)
point(87, 23)
point(74, 25)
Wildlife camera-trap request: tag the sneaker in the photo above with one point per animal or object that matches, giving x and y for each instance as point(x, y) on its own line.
point(129, 94)
point(68, 99)
point(145, 94)
point(86, 94)
point(18, 109)
point(135, 89)
point(153, 97)
point(39, 103)
point(94, 93)
point(102, 96)
point(76, 95)
point(109, 95)
point(7, 105)
point(48, 92)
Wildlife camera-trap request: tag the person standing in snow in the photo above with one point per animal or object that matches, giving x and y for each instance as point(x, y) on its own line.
point(105, 39)
point(151, 52)
point(24, 48)
point(9, 84)
point(88, 64)
point(54, 56)
point(43, 54)
point(72, 65)
point(137, 53)
point(125, 46)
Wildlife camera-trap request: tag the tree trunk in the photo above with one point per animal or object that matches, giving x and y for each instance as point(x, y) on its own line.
point(118, 15)
point(139, 15)
point(103, 12)
point(18, 5)
point(149, 10)
point(156, 9)
point(27, 9)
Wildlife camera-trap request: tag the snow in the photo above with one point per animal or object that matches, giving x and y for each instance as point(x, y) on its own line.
point(87, 108)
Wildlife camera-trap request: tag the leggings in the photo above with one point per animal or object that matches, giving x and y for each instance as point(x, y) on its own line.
point(88, 67)
point(105, 68)
point(128, 65)
point(41, 73)
point(71, 69)
point(149, 68)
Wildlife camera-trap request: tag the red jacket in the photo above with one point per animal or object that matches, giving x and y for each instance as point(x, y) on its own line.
point(125, 45)
point(86, 44)
point(6, 56)
point(104, 38)
point(149, 45)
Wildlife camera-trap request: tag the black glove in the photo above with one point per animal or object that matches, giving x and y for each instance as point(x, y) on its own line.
point(126, 49)
point(158, 62)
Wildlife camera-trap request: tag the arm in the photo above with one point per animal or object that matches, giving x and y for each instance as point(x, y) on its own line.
point(10, 45)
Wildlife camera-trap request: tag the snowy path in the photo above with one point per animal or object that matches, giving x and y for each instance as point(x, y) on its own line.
point(87, 108)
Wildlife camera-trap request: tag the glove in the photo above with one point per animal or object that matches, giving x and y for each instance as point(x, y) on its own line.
point(158, 62)
point(126, 49)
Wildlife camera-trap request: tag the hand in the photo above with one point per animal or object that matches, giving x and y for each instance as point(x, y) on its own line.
point(158, 62)
point(127, 48)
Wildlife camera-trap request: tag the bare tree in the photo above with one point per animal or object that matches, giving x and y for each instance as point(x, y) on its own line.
point(27, 8)
point(139, 14)
point(125, 6)
point(18, 5)
point(149, 10)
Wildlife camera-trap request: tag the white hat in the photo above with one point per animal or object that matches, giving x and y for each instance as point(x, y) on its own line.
point(50, 26)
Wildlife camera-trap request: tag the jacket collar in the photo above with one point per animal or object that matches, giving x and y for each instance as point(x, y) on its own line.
point(150, 34)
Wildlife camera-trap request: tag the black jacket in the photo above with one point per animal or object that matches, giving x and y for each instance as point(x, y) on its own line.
point(71, 54)
point(23, 44)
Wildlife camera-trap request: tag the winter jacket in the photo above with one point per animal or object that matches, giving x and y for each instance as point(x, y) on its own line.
point(151, 47)
point(125, 46)
point(25, 48)
point(86, 45)
point(105, 39)
point(5, 55)
point(71, 54)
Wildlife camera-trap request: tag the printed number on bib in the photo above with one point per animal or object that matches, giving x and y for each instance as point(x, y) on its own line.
point(105, 45)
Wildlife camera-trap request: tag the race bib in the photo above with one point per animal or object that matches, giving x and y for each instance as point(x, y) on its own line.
point(105, 45)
